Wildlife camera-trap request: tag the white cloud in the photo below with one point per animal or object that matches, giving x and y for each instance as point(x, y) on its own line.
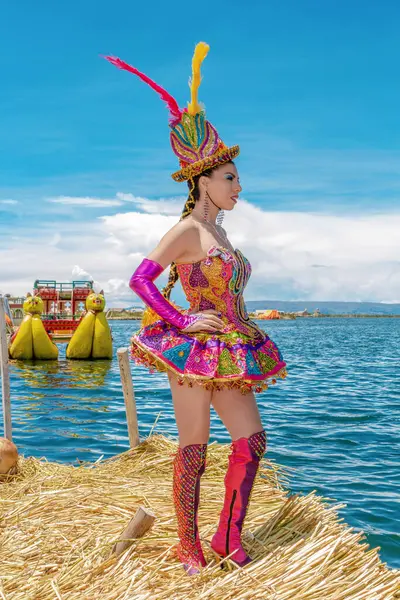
point(10, 202)
point(56, 239)
point(135, 232)
point(295, 255)
point(303, 255)
point(321, 257)
point(79, 274)
point(84, 201)
point(164, 206)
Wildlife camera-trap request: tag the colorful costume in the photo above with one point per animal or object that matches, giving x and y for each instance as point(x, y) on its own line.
point(241, 356)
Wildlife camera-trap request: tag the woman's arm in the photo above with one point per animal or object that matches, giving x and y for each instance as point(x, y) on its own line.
point(172, 246)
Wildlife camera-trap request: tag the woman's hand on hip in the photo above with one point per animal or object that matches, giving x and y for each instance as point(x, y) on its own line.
point(207, 320)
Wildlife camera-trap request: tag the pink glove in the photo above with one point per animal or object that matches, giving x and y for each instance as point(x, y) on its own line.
point(142, 284)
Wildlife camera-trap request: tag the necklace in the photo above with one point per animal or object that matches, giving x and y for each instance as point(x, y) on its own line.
point(219, 234)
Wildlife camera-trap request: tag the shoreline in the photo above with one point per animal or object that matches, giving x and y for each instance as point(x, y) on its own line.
point(287, 317)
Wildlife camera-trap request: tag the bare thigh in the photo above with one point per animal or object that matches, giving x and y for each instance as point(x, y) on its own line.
point(192, 412)
point(238, 412)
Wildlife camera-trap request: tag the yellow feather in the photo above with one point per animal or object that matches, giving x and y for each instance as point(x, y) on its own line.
point(199, 55)
point(149, 317)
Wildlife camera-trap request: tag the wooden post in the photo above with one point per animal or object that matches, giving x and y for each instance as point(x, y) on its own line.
point(5, 377)
point(129, 396)
point(141, 522)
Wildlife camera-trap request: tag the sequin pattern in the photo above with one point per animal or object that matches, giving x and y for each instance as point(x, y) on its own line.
point(258, 443)
point(189, 466)
point(198, 146)
point(241, 355)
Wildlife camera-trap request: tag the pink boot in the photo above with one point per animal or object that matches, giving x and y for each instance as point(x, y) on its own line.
point(189, 466)
point(242, 470)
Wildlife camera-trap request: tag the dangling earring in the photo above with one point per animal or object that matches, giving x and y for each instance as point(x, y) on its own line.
point(206, 207)
point(220, 218)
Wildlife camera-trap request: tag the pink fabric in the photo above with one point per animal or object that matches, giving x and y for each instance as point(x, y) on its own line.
point(175, 111)
point(142, 284)
point(239, 480)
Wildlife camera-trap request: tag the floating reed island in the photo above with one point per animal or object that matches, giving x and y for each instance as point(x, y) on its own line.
point(61, 529)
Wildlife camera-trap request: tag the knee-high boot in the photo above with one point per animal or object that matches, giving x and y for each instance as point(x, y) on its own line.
point(242, 470)
point(189, 466)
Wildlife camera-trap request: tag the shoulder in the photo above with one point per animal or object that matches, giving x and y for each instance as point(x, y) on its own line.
point(175, 243)
point(185, 230)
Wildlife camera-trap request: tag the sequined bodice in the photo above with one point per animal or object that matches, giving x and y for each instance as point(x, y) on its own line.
point(217, 282)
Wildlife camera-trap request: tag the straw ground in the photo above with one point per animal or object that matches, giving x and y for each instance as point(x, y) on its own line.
point(59, 524)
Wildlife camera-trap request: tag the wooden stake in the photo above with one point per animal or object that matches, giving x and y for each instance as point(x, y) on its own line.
point(137, 527)
point(5, 376)
point(129, 396)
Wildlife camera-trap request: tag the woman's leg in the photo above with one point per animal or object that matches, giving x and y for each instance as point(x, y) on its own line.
point(238, 412)
point(240, 415)
point(192, 413)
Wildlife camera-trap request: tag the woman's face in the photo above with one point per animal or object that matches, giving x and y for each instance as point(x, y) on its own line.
point(223, 186)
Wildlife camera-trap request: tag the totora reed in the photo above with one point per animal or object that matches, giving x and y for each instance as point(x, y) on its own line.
point(59, 524)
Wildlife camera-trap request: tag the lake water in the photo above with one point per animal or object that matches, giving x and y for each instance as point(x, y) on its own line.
point(335, 419)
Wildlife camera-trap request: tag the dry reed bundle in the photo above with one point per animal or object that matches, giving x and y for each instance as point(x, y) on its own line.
point(59, 524)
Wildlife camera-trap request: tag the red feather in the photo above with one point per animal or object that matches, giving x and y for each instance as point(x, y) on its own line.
point(172, 104)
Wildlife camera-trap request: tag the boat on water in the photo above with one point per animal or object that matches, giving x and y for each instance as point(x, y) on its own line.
point(60, 312)
point(64, 305)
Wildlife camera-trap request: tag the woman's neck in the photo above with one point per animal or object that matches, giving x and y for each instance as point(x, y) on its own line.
point(206, 210)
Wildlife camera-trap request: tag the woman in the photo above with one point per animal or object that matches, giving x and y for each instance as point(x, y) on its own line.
point(213, 353)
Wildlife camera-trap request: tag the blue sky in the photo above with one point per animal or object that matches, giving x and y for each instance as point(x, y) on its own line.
point(310, 90)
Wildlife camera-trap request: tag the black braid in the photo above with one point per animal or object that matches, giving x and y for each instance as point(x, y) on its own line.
point(172, 279)
point(191, 201)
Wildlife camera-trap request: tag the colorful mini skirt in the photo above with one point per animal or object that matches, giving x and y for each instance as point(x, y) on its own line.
point(216, 361)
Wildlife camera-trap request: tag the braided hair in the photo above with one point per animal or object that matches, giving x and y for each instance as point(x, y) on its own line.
point(194, 195)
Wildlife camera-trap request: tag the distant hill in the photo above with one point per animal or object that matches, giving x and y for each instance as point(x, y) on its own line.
point(327, 308)
point(330, 308)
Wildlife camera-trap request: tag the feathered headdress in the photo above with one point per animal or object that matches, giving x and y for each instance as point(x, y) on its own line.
point(193, 139)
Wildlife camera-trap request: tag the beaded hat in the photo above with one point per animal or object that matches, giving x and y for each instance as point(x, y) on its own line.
point(194, 140)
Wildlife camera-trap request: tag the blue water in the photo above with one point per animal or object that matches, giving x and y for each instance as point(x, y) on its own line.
point(335, 419)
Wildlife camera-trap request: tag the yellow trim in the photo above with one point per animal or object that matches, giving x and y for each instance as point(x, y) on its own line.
point(152, 361)
point(220, 157)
